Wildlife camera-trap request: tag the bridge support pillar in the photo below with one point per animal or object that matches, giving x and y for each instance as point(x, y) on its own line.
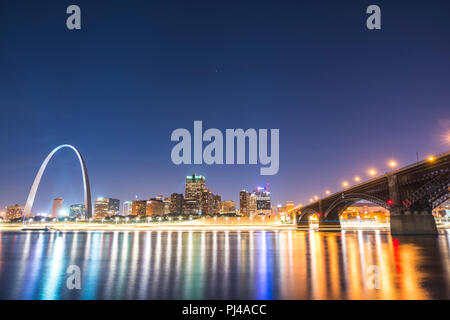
point(413, 224)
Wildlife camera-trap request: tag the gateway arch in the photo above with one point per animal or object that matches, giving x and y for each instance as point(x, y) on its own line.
point(37, 180)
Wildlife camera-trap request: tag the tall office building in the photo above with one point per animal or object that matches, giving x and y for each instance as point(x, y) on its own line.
point(14, 212)
point(207, 202)
point(77, 211)
point(252, 204)
point(176, 203)
point(244, 202)
point(263, 202)
point(195, 185)
point(106, 207)
point(57, 205)
point(127, 208)
point(138, 207)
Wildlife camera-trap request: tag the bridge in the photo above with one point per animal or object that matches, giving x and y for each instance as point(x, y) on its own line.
point(409, 193)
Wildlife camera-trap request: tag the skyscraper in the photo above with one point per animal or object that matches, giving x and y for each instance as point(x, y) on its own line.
point(57, 205)
point(127, 208)
point(176, 203)
point(263, 203)
point(207, 202)
point(195, 185)
point(244, 202)
point(106, 207)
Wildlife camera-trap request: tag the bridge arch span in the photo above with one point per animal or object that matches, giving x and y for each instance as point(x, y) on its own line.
point(37, 180)
point(304, 214)
point(346, 200)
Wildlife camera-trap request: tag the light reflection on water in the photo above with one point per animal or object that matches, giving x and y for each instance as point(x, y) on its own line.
point(224, 265)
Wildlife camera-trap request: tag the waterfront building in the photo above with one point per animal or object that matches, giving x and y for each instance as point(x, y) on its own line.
point(138, 207)
point(217, 204)
point(57, 205)
point(77, 211)
point(166, 202)
point(106, 207)
point(14, 212)
point(195, 185)
point(244, 202)
point(228, 207)
point(154, 206)
point(127, 208)
point(207, 202)
point(176, 203)
point(263, 202)
point(191, 206)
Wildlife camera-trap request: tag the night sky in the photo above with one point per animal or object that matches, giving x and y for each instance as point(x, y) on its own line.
point(344, 98)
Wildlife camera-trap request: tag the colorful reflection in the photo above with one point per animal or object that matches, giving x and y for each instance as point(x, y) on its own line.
point(225, 265)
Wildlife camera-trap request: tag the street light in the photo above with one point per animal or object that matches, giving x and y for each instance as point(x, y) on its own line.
point(372, 172)
point(345, 184)
point(316, 198)
point(431, 158)
point(357, 179)
point(327, 192)
point(392, 163)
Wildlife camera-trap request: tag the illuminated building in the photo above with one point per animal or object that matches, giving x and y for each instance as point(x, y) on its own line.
point(106, 207)
point(207, 202)
point(263, 204)
point(77, 211)
point(244, 202)
point(252, 205)
point(176, 203)
point(138, 207)
point(195, 185)
point(57, 205)
point(217, 204)
point(289, 205)
point(228, 207)
point(191, 206)
point(154, 206)
point(166, 202)
point(14, 212)
point(127, 208)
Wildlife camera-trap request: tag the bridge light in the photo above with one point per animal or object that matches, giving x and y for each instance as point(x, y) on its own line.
point(431, 158)
point(392, 164)
point(327, 192)
point(316, 198)
point(372, 172)
point(345, 184)
point(390, 202)
point(311, 200)
point(357, 179)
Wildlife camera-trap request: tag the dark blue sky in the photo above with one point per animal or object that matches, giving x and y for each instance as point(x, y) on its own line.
point(344, 98)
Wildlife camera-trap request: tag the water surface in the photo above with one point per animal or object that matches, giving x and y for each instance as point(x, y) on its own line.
point(225, 265)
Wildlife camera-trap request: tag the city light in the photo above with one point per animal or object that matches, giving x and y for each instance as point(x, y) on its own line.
point(392, 164)
point(345, 184)
point(327, 192)
point(372, 172)
point(316, 198)
point(431, 158)
point(357, 179)
point(311, 200)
